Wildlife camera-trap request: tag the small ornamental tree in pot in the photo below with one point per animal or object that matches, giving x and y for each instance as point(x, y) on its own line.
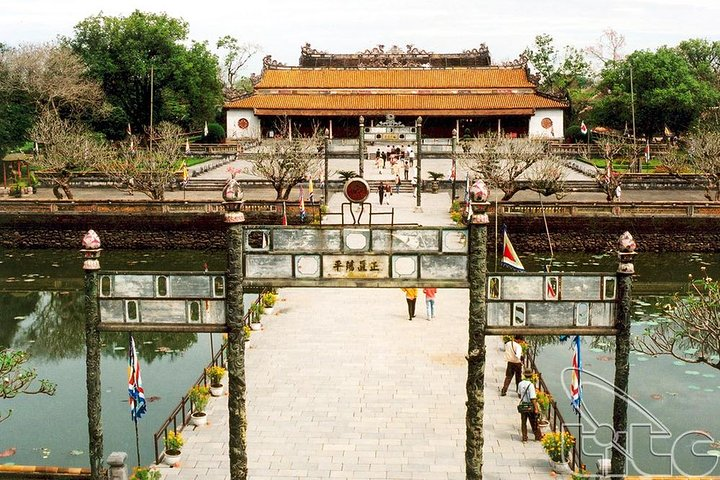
point(199, 396)
point(173, 445)
point(216, 374)
point(558, 445)
point(268, 302)
point(436, 176)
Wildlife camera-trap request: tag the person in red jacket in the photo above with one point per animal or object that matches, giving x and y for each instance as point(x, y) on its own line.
point(430, 302)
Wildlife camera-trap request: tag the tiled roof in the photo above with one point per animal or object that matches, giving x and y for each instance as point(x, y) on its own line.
point(409, 78)
point(354, 104)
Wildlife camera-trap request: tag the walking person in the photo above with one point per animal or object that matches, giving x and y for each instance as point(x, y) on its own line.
point(528, 407)
point(388, 192)
point(411, 297)
point(381, 192)
point(430, 302)
point(513, 357)
point(406, 166)
point(397, 183)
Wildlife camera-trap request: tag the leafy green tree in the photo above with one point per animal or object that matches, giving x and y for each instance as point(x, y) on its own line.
point(122, 52)
point(17, 380)
point(666, 93)
point(703, 57)
point(558, 71)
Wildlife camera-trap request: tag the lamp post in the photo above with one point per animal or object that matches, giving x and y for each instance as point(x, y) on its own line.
point(326, 142)
point(361, 145)
point(453, 171)
point(418, 160)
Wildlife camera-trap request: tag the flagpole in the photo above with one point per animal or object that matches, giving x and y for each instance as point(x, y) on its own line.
point(137, 435)
point(496, 233)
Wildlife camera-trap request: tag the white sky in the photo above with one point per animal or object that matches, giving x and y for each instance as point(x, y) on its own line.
point(281, 27)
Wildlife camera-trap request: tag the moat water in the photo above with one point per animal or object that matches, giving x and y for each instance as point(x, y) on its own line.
point(41, 311)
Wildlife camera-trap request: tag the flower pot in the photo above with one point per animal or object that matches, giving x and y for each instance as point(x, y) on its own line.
point(269, 310)
point(256, 326)
point(560, 467)
point(198, 419)
point(172, 457)
point(216, 390)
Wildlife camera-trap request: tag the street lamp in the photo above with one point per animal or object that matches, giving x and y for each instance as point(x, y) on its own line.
point(418, 178)
point(326, 144)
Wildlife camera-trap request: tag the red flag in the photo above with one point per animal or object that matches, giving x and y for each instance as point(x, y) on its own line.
point(583, 128)
point(284, 217)
point(509, 257)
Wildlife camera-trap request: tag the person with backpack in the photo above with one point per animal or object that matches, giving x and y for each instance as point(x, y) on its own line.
point(528, 406)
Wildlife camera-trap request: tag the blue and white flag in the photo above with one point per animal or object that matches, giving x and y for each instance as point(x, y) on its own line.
point(136, 393)
point(575, 383)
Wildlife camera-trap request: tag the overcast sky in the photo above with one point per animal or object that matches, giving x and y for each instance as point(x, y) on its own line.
point(281, 27)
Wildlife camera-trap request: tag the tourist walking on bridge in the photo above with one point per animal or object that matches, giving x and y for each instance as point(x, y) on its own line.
point(528, 399)
point(411, 297)
point(513, 357)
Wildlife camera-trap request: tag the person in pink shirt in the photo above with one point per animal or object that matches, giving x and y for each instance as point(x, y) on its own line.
point(430, 302)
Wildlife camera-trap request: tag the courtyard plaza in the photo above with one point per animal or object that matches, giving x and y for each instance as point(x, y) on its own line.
point(341, 385)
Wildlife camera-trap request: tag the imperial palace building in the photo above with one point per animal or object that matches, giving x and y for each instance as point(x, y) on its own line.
point(390, 89)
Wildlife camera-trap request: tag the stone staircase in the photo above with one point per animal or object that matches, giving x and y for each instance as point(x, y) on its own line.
point(405, 186)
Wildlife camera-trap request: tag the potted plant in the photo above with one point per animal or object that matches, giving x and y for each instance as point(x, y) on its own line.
point(268, 300)
point(199, 396)
point(435, 186)
point(558, 446)
point(247, 331)
point(544, 400)
point(256, 309)
point(173, 443)
point(216, 374)
point(144, 473)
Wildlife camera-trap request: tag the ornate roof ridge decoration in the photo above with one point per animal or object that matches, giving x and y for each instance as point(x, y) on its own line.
point(554, 96)
point(268, 62)
point(308, 50)
point(521, 61)
point(390, 121)
point(395, 56)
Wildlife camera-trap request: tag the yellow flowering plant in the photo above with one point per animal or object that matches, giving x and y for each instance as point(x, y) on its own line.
point(558, 445)
point(173, 441)
point(216, 374)
point(144, 473)
point(544, 399)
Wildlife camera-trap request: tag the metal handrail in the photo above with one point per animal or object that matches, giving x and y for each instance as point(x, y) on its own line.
point(184, 408)
point(555, 418)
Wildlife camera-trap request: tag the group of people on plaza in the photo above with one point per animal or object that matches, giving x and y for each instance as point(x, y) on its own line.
point(525, 388)
point(401, 160)
point(411, 295)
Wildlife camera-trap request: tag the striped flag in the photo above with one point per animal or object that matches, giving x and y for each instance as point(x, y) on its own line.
point(136, 393)
point(284, 217)
point(575, 384)
point(647, 150)
point(302, 204)
point(205, 130)
point(509, 257)
point(311, 191)
point(467, 196)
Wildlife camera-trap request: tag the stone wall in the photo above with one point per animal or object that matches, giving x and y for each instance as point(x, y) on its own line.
point(207, 231)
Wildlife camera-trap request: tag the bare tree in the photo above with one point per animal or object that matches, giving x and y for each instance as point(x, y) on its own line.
point(690, 329)
point(148, 170)
point(609, 47)
point(285, 162)
point(234, 59)
point(68, 149)
point(53, 76)
point(611, 148)
point(703, 155)
point(501, 163)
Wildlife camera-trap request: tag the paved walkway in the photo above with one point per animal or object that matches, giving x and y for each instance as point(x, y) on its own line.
point(341, 385)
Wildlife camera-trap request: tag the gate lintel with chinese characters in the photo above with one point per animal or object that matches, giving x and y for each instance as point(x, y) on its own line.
point(356, 256)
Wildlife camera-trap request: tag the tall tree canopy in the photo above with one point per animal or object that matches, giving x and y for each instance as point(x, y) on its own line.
point(667, 93)
point(121, 51)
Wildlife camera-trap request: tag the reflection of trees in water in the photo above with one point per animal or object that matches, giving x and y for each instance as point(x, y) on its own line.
point(149, 345)
point(58, 332)
point(13, 305)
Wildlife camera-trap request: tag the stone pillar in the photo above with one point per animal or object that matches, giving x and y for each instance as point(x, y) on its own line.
point(418, 163)
point(453, 166)
point(234, 311)
point(118, 469)
point(477, 268)
point(326, 142)
point(91, 250)
point(361, 146)
point(626, 269)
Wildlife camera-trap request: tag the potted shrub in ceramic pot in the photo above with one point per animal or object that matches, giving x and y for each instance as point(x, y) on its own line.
point(216, 374)
point(199, 396)
point(173, 445)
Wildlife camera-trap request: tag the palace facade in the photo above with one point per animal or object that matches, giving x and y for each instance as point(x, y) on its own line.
point(461, 92)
